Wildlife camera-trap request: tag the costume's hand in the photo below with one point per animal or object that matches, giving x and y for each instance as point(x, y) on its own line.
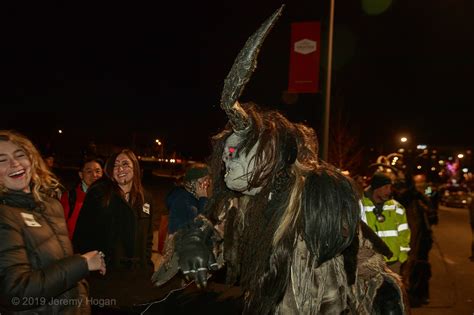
point(95, 261)
point(195, 254)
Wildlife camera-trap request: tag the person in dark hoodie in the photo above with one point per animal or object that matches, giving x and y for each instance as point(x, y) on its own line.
point(188, 200)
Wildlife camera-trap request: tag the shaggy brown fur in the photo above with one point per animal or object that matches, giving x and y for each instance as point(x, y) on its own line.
point(299, 196)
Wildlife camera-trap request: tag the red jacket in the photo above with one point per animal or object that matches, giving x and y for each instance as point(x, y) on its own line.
point(71, 218)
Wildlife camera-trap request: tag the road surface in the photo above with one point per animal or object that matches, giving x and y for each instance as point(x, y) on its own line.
point(452, 281)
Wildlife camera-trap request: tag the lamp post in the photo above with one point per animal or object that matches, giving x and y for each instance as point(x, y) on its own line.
point(160, 144)
point(327, 99)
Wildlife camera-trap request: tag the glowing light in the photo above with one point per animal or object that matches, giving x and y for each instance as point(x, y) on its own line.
point(401, 150)
point(60, 131)
point(460, 155)
point(452, 167)
point(418, 167)
point(433, 169)
point(421, 146)
point(441, 162)
point(375, 7)
point(465, 170)
point(403, 139)
point(394, 161)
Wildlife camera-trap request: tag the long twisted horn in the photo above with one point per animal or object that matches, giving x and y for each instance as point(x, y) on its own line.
point(240, 73)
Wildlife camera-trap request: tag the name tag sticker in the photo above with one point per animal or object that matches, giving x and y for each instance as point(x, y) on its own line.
point(146, 208)
point(30, 220)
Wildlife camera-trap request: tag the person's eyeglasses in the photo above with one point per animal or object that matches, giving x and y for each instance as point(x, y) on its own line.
point(123, 165)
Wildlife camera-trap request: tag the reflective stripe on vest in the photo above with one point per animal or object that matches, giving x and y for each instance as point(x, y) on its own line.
point(403, 227)
point(388, 233)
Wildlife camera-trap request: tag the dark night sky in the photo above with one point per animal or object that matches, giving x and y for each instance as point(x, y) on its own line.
point(157, 70)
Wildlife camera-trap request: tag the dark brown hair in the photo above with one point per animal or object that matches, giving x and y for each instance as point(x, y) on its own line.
point(136, 192)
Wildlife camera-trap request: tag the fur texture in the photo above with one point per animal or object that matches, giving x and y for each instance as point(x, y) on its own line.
point(299, 196)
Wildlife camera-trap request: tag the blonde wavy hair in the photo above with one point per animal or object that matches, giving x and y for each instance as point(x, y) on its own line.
point(43, 181)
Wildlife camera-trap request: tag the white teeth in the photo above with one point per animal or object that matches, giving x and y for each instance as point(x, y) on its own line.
point(20, 172)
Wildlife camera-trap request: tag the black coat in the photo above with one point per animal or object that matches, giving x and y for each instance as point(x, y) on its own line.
point(38, 272)
point(125, 235)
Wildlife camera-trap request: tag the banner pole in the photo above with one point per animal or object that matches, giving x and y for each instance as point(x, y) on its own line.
point(327, 107)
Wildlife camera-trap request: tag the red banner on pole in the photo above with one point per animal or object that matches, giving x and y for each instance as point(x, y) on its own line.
point(304, 57)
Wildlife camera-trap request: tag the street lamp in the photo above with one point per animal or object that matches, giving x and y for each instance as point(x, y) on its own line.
point(403, 139)
point(160, 144)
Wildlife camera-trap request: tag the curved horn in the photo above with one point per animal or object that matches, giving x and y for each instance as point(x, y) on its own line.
point(240, 73)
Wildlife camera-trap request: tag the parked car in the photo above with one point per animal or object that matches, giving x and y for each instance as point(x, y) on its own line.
point(456, 196)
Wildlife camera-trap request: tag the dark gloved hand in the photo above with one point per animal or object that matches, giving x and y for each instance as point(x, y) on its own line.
point(194, 248)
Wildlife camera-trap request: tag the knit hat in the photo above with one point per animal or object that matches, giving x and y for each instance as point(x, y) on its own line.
point(378, 180)
point(196, 172)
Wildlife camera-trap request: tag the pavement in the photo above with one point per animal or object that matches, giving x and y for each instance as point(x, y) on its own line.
point(452, 281)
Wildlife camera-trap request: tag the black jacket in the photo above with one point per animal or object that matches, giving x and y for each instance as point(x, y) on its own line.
point(38, 272)
point(125, 235)
point(183, 208)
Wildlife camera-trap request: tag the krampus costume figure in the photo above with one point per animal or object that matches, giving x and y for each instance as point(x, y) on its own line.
point(289, 222)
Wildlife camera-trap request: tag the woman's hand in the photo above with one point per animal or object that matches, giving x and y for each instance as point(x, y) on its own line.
point(95, 261)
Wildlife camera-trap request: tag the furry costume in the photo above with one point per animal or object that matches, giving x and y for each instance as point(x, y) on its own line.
point(290, 222)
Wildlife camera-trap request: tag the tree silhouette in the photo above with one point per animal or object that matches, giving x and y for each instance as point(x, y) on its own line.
point(344, 150)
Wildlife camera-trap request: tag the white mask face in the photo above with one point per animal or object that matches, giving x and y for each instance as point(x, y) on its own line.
point(239, 168)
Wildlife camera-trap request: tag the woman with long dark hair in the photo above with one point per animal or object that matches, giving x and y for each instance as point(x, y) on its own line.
point(117, 218)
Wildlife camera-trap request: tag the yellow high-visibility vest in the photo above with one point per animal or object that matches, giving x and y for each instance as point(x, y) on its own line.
point(394, 231)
